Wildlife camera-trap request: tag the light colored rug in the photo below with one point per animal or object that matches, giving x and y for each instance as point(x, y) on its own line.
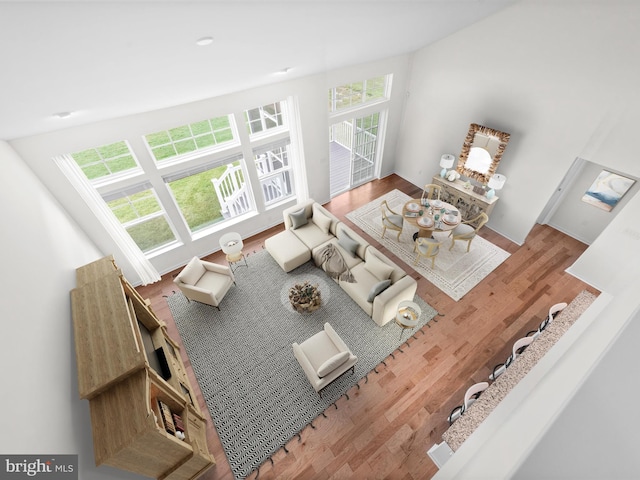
point(256, 391)
point(456, 272)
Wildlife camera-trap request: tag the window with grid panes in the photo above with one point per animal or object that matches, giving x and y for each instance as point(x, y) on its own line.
point(262, 119)
point(356, 94)
point(211, 193)
point(100, 163)
point(141, 214)
point(185, 139)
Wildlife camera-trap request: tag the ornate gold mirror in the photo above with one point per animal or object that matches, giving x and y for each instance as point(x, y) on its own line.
point(481, 152)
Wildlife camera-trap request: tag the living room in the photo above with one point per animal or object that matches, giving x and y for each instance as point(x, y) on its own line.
point(542, 73)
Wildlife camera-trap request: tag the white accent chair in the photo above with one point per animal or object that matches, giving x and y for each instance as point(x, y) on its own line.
point(205, 282)
point(324, 357)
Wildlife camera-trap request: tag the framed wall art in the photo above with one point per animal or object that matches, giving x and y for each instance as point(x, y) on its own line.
point(607, 190)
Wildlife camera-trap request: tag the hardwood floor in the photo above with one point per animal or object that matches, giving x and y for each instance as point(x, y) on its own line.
point(387, 426)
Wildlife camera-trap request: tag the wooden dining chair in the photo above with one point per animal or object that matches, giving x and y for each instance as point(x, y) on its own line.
point(431, 192)
point(468, 230)
point(391, 219)
point(428, 248)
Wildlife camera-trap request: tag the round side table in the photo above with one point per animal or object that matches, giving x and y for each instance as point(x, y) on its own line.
point(231, 244)
point(407, 315)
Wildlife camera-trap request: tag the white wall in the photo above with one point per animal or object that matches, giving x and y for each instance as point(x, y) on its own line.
point(563, 77)
point(558, 77)
point(41, 248)
point(311, 93)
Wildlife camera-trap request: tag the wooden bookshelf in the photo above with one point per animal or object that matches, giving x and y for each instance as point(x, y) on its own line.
point(127, 367)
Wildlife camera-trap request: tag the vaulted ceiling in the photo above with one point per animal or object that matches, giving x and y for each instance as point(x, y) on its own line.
point(100, 60)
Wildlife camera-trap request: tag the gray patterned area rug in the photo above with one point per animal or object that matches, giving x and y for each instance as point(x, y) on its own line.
point(456, 272)
point(256, 391)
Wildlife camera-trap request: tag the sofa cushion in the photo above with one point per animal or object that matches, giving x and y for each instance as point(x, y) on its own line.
point(321, 220)
point(311, 235)
point(287, 250)
point(333, 363)
point(397, 272)
point(192, 272)
point(378, 268)
point(377, 289)
point(298, 218)
point(347, 243)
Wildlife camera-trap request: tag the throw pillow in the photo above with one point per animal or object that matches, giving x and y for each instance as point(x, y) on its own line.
point(333, 363)
point(377, 289)
point(348, 243)
point(192, 272)
point(298, 218)
point(378, 268)
point(321, 220)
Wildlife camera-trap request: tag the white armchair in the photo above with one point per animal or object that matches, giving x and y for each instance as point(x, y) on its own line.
point(324, 357)
point(204, 281)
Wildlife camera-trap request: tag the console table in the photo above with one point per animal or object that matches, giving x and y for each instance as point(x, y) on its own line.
point(469, 203)
point(144, 414)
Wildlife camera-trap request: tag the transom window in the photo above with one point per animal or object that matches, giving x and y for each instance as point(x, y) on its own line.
point(264, 118)
point(358, 93)
point(141, 214)
point(103, 162)
point(190, 138)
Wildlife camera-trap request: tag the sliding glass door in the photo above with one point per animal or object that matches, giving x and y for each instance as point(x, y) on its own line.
point(353, 152)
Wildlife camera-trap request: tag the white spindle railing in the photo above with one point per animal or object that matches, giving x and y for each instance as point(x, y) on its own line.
point(231, 191)
point(342, 134)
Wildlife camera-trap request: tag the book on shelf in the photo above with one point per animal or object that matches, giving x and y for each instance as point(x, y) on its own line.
point(177, 421)
point(167, 418)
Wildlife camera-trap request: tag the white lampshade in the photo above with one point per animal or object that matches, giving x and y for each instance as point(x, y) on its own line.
point(446, 161)
point(497, 181)
point(231, 243)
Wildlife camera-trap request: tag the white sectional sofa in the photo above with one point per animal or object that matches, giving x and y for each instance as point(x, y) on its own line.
point(380, 285)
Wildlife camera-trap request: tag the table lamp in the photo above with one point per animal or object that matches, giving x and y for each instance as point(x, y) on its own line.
point(231, 244)
point(496, 182)
point(446, 162)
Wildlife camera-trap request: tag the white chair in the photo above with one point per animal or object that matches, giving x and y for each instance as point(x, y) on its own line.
point(205, 282)
point(518, 348)
point(470, 396)
point(553, 312)
point(324, 357)
point(391, 219)
point(428, 248)
point(431, 191)
point(468, 230)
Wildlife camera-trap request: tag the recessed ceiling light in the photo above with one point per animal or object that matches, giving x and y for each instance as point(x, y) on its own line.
point(204, 41)
point(62, 114)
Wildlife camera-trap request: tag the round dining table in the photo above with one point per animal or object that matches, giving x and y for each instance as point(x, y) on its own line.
point(435, 215)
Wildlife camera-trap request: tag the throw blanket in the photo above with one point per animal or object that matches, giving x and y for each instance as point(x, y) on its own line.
point(330, 259)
